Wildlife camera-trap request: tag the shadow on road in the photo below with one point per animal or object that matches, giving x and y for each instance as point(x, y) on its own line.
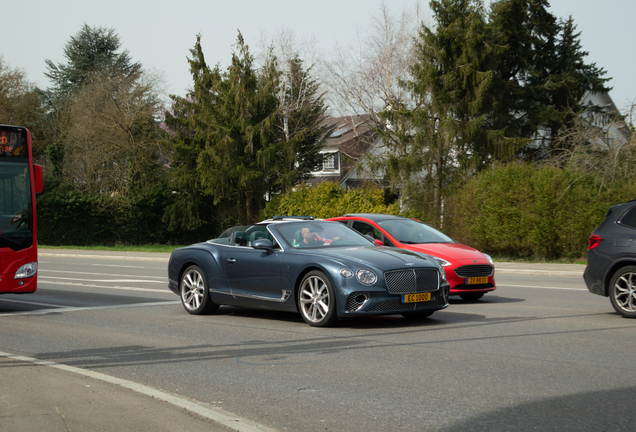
point(608, 410)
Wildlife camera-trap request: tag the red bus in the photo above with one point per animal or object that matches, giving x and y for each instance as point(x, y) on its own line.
point(20, 180)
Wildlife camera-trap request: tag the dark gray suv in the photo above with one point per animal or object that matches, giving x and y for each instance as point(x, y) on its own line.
point(611, 259)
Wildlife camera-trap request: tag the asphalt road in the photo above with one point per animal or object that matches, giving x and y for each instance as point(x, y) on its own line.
point(540, 353)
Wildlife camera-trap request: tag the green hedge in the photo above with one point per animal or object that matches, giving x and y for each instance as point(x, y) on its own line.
point(521, 210)
point(327, 200)
point(75, 219)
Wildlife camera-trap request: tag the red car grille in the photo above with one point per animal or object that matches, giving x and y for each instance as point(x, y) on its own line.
point(476, 270)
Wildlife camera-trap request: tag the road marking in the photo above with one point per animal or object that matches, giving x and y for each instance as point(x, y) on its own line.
point(61, 309)
point(99, 274)
point(163, 291)
point(28, 302)
point(223, 417)
point(109, 257)
point(543, 287)
point(113, 265)
point(107, 280)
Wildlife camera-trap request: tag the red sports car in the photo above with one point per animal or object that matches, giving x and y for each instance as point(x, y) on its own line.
point(470, 273)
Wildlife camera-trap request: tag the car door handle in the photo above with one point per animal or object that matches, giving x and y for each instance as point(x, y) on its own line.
point(231, 260)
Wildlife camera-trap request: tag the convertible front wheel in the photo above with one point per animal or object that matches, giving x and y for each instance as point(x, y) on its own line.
point(195, 295)
point(317, 300)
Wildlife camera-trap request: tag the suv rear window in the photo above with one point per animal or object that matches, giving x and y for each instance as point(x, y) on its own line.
point(629, 218)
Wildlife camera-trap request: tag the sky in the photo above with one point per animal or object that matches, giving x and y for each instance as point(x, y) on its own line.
point(159, 34)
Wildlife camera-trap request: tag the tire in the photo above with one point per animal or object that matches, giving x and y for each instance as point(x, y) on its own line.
point(418, 315)
point(194, 292)
point(317, 300)
point(471, 296)
point(622, 291)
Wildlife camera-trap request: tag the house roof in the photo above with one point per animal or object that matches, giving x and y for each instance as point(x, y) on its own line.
point(349, 134)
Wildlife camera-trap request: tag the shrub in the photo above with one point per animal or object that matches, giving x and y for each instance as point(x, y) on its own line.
point(521, 210)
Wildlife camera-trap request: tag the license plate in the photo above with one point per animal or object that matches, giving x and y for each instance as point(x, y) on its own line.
point(477, 280)
point(414, 298)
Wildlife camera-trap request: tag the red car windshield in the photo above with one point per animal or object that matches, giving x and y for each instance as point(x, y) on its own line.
point(409, 231)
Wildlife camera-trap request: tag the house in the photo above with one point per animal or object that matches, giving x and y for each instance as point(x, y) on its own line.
point(607, 129)
point(345, 148)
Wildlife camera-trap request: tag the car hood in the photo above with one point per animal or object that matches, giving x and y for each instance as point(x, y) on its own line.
point(448, 251)
point(383, 258)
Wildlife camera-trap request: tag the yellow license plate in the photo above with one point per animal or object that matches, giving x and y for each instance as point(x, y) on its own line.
point(414, 298)
point(477, 280)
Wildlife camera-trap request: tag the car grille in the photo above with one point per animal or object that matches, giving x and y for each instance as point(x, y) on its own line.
point(474, 270)
point(398, 306)
point(411, 281)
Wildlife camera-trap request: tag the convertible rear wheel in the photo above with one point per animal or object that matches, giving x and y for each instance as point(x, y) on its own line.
point(317, 300)
point(195, 295)
point(622, 291)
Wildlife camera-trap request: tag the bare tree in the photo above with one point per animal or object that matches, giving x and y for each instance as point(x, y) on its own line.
point(363, 77)
point(601, 144)
point(111, 141)
point(18, 101)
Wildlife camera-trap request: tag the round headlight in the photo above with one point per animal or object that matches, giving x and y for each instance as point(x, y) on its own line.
point(366, 277)
point(346, 273)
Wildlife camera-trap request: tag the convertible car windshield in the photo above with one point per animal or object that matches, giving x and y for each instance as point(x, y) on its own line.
point(318, 234)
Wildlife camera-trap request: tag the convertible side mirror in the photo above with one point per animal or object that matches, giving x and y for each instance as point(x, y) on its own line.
point(374, 241)
point(264, 244)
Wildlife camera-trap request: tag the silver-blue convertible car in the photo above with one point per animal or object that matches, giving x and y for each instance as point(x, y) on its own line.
point(323, 269)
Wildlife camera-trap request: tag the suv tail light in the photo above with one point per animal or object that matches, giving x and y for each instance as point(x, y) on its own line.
point(594, 240)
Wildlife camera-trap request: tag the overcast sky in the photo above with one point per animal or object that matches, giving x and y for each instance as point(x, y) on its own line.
point(160, 33)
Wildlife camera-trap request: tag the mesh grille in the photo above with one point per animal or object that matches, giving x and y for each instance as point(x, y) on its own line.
point(398, 306)
point(474, 270)
point(411, 281)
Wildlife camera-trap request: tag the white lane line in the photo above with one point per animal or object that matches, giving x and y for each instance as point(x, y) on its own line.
point(221, 416)
point(112, 265)
point(542, 287)
point(62, 309)
point(108, 257)
point(123, 288)
point(106, 280)
point(99, 274)
point(2, 299)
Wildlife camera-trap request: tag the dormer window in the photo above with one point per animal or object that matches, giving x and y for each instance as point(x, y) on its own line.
point(330, 162)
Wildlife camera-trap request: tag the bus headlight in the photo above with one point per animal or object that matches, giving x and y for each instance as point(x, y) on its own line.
point(26, 271)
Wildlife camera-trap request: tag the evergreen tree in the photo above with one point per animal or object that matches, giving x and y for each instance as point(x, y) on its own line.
point(444, 134)
point(224, 138)
point(241, 134)
point(302, 113)
point(99, 116)
point(540, 74)
point(91, 51)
